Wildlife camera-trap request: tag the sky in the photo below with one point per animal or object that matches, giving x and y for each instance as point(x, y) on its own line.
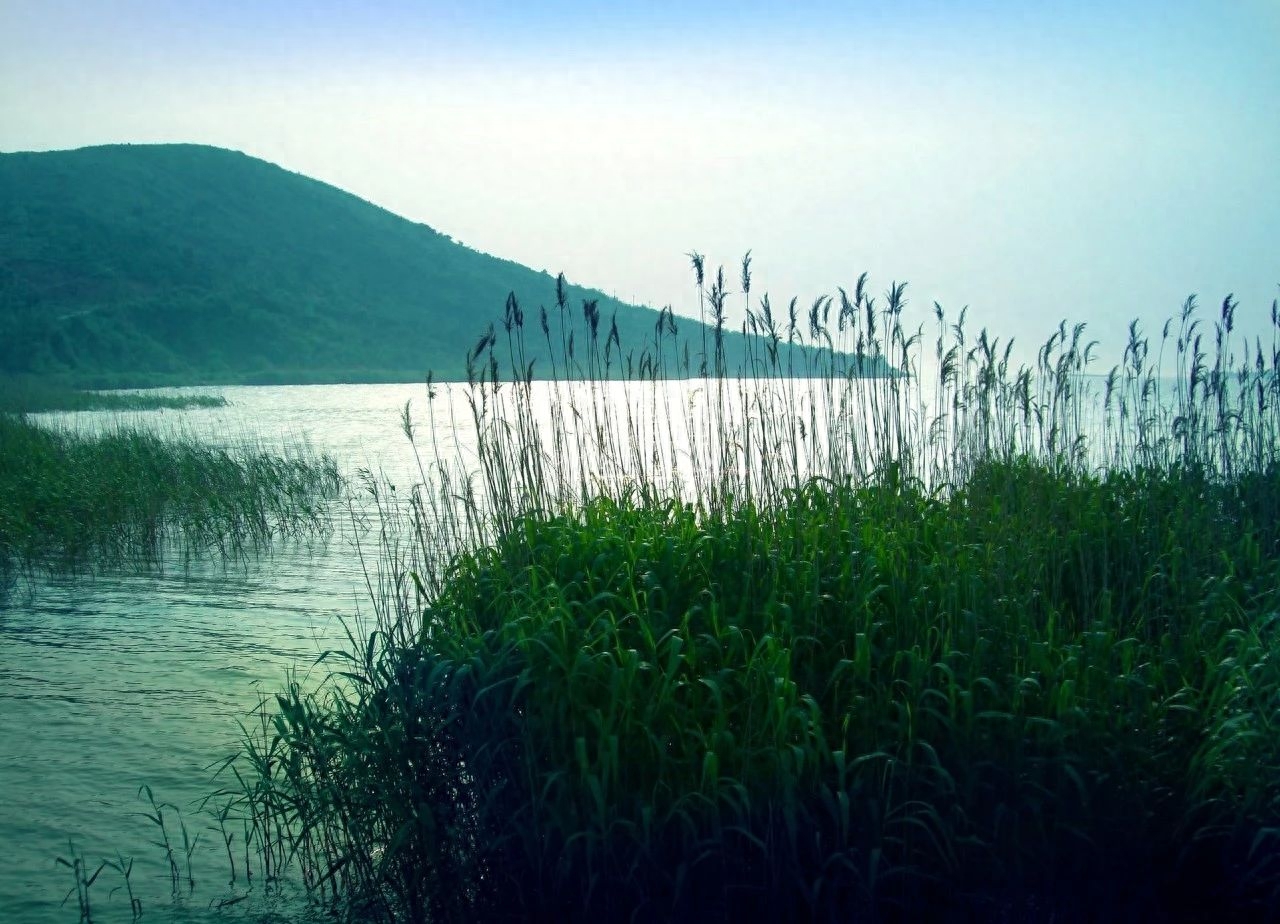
point(1035, 161)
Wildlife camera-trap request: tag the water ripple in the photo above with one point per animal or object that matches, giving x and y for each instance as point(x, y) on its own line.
point(112, 681)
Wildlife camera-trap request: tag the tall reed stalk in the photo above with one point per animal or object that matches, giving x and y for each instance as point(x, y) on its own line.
point(887, 627)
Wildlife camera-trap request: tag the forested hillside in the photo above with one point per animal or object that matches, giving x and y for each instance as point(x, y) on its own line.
point(184, 264)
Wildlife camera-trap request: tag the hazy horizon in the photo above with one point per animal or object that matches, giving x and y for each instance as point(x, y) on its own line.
point(1080, 161)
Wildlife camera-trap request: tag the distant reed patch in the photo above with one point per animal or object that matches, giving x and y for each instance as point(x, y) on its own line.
point(30, 395)
point(71, 500)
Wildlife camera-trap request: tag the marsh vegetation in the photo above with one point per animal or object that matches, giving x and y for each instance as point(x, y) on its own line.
point(973, 639)
point(31, 395)
point(123, 496)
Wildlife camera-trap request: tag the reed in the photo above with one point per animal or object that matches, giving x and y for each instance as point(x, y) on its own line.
point(125, 496)
point(964, 638)
point(84, 881)
point(124, 867)
point(29, 395)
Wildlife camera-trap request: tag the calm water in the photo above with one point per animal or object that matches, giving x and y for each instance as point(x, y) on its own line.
point(112, 682)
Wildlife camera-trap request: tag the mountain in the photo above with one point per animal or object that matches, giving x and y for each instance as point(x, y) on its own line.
point(130, 265)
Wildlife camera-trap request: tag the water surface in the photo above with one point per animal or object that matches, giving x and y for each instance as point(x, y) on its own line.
point(116, 680)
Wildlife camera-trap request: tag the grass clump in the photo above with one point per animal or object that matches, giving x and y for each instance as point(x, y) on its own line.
point(996, 646)
point(29, 396)
point(69, 500)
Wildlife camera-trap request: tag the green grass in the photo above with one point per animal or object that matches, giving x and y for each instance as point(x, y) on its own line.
point(126, 496)
point(29, 396)
point(995, 645)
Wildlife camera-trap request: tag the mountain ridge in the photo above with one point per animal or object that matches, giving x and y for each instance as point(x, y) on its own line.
point(134, 265)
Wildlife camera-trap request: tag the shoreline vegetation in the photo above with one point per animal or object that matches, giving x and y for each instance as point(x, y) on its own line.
point(126, 497)
point(991, 643)
point(28, 395)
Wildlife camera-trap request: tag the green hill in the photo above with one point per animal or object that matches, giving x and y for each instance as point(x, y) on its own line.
point(184, 264)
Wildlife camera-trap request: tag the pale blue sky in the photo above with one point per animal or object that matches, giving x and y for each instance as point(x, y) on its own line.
point(1033, 160)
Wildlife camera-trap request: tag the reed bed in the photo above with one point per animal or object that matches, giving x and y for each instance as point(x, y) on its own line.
point(959, 640)
point(127, 496)
point(29, 396)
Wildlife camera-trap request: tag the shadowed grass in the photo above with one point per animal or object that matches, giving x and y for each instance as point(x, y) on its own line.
point(999, 645)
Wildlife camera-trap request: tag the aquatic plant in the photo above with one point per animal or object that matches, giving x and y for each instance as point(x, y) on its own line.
point(31, 395)
point(71, 500)
point(971, 639)
point(84, 881)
